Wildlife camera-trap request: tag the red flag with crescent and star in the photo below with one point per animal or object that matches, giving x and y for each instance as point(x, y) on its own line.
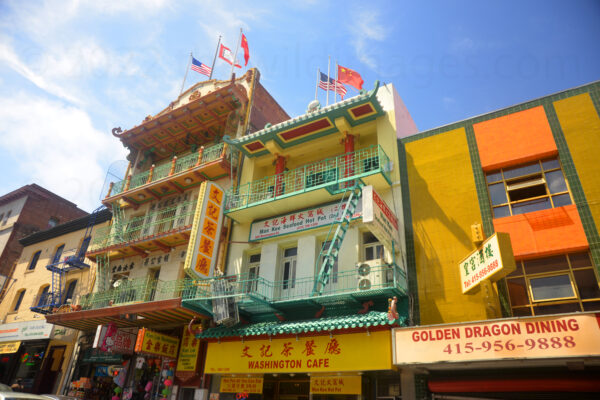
point(352, 78)
point(246, 49)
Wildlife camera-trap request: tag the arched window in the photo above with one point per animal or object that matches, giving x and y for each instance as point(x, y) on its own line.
point(18, 299)
point(70, 290)
point(43, 297)
point(34, 260)
point(58, 253)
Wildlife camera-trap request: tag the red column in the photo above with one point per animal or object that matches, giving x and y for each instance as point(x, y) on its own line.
point(348, 158)
point(279, 168)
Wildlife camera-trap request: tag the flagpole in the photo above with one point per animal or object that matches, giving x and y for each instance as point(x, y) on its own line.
point(186, 72)
point(335, 86)
point(215, 58)
point(328, 81)
point(317, 83)
point(236, 51)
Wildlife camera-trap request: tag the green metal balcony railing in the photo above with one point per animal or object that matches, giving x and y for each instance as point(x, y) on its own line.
point(209, 154)
point(136, 291)
point(330, 173)
point(151, 224)
point(372, 280)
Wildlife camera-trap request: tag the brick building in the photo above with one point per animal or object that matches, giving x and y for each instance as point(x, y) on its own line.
point(27, 210)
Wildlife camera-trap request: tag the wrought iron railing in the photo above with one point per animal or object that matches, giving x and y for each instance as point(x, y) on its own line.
point(331, 172)
point(209, 154)
point(380, 278)
point(131, 291)
point(148, 225)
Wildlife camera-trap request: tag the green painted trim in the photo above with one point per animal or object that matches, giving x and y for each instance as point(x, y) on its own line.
point(411, 263)
point(589, 226)
point(591, 87)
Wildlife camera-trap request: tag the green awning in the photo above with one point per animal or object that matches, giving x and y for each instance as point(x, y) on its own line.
point(371, 319)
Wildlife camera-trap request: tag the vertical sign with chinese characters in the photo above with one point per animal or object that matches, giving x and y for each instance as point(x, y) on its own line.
point(154, 343)
point(379, 218)
point(188, 352)
point(206, 229)
point(308, 354)
point(493, 260)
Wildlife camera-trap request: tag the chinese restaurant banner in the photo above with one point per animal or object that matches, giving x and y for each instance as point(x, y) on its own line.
point(154, 343)
point(493, 259)
point(189, 350)
point(202, 249)
point(335, 384)
point(574, 335)
point(299, 221)
point(346, 352)
point(241, 385)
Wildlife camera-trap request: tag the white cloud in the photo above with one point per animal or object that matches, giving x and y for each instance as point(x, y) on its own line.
point(8, 55)
point(365, 29)
point(57, 146)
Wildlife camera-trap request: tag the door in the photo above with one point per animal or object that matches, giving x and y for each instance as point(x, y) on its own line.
point(50, 372)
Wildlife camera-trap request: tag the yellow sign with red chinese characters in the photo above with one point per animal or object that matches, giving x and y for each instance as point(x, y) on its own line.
point(154, 343)
point(241, 385)
point(344, 352)
point(9, 347)
point(206, 230)
point(335, 384)
point(188, 353)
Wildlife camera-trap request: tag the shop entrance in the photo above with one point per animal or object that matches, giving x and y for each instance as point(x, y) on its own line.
point(50, 369)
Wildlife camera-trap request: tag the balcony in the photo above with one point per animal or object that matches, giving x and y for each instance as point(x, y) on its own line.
point(162, 229)
point(133, 303)
point(174, 176)
point(133, 291)
point(311, 184)
point(255, 295)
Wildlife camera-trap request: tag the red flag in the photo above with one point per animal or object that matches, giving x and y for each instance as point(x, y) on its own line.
point(225, 55)
point(246, 50)
point(352, 78)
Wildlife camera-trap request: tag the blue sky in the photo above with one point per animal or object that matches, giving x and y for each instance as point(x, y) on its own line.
point(71, 70)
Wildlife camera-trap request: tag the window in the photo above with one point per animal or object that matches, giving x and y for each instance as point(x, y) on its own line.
point(253, 272)
point(289, 268)
point(57, 254)
point(70, 291)
point(372, 249)
point(18, 299)
point(527, 188)
point(320, 178)
point(52, 222)
point(333, 273)
point(34, 260)
point(556, 284)
point(43, 298)
point(6, 217)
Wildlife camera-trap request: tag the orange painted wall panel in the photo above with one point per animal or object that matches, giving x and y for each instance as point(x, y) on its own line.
point(547, 232)
point(514, 139)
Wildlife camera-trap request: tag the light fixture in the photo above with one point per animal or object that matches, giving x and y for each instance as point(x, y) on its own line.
point(188, 180)
point(141, 196)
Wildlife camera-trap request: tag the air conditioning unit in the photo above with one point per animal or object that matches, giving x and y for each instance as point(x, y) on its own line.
point(370, 275)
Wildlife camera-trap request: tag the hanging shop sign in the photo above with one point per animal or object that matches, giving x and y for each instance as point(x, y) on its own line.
point(99, 356)
point(188, 351)
point(201, 256)
point(307, 354)
point(9, 347)
point(30, 330)
point(241, 385)
point(111, 339)
point(379, 218)
point(299, 221)
point(522, 338)
point(492, 260)
point(335, 385)
point(154, 343)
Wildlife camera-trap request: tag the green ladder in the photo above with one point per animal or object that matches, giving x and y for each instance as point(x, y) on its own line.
point(343, 223)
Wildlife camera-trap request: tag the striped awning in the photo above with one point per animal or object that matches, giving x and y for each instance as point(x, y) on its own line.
point(158, 314)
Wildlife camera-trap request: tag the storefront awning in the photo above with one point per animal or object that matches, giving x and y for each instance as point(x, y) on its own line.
point(329, 324)
point(164, 314)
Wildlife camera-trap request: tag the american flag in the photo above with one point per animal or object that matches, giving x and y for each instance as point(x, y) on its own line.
point(327, 83)
point(201, 68)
